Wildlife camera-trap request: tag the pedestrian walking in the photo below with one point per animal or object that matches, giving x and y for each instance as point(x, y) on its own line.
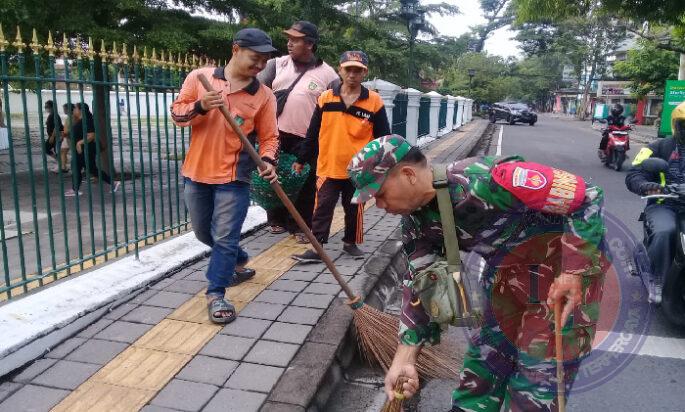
point(216, 169)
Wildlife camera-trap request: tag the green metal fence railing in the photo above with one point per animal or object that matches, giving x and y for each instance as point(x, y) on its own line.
point(442, 114)
point(399, 114)
point(46, 235)
point(424, 116)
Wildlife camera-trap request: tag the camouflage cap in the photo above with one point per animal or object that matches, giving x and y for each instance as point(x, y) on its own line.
point(369, 167)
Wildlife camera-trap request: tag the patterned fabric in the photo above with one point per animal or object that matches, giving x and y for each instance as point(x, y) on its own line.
point(494, 224)
point(370, 165)
point(510, 360)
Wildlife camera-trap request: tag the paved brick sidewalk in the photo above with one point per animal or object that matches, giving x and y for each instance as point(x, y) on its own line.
point(159, 352)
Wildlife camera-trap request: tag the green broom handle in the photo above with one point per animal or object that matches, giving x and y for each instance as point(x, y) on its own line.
point(284, 198)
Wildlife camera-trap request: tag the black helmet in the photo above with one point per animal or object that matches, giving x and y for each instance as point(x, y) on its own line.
point(617, 110)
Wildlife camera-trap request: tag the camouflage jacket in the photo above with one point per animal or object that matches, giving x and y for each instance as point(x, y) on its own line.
point(492, 222)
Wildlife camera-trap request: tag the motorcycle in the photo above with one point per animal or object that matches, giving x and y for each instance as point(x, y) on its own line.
point(617, 147)
point(673, 295)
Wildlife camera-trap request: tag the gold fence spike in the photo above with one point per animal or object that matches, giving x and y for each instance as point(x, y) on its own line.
point(124, 54)
point(180, 62)
point(3, 42)
point(18, 42)
point(171, 61)
point(78, 48)
point(116, 57)
point(162, 60)
point(103, 51)
point(35, 46)
point(50, 47)
point(153, 58)
point(186, 63)
point(65, 46)
point(194, 63)
point(146, 61)
point(135, 55)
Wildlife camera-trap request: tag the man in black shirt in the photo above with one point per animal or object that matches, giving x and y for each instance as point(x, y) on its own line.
point(54, 128)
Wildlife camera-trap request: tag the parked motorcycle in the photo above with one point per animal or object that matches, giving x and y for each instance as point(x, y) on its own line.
point(673, 295)
point(617, 147)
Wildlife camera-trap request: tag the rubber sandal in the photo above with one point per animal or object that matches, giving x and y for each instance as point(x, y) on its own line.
point(301, 239)
point(240, 276)
point(277, 230)
point(221, 305)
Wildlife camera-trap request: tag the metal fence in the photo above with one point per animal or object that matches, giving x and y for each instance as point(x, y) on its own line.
point(399, 114)
point(424, 116)
point(442, 114)
point(46, 235)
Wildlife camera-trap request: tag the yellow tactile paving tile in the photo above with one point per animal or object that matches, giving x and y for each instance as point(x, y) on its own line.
point(177, 336)
point(265, 277)
point(194, 310)
point(97, 396)
point(156, 357)
point(140, 368)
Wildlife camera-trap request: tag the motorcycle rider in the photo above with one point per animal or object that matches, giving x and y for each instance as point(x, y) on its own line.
point(660, 215)
point(617, 119)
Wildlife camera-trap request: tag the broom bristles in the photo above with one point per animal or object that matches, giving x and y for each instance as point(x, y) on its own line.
point(378, 341)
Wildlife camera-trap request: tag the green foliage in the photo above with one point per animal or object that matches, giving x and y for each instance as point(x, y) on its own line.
point(648, 68)
point(375, 26)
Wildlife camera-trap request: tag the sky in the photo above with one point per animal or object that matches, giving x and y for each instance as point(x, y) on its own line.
point(499, 43)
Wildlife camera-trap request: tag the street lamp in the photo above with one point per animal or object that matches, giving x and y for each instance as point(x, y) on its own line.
point(415, 17)
point(472, 72)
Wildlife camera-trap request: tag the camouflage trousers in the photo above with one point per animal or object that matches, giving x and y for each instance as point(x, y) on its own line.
point(510, 361)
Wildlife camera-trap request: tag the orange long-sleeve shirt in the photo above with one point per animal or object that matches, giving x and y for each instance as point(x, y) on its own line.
point(216, 154)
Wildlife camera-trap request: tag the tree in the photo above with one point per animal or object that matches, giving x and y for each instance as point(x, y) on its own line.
point(586, 35)
point(647, 67)
point(497, 15)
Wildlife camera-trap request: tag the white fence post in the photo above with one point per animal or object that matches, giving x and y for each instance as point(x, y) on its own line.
point(460, 111)
point(450, 113)
point(412, 126)
point(469, 109)
point(434, 113)
point(387, 91)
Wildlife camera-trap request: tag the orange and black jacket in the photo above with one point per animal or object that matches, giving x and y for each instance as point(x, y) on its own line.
point(337, 132)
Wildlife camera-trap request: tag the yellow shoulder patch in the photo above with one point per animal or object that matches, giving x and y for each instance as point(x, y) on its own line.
point(642, 155)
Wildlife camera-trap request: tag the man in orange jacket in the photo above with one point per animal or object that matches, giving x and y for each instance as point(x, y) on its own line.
point(346, 118)
point(217, 169)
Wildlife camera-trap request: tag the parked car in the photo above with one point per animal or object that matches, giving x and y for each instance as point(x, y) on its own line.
point(513, 112)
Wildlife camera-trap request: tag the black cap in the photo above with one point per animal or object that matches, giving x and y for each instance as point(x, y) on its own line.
point(304, 29)
point(354, 58)
point(254, 39)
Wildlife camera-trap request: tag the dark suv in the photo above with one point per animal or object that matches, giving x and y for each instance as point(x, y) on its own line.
point(512, 113)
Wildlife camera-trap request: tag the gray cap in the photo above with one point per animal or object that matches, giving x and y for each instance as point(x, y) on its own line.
point(254, 39)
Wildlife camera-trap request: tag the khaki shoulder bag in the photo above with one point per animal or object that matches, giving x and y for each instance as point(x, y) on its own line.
point(442, 288)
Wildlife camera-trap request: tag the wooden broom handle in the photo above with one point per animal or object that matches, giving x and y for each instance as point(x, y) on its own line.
point(559, 355)
point(284, 198)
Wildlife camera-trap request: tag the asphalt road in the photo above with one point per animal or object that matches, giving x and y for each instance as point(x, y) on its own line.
point(638, 363)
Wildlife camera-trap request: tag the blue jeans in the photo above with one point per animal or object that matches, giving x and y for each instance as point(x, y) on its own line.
point(217, 213)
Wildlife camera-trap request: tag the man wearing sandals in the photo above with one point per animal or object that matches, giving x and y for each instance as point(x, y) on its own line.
point(216, 170)
point(306, 76)
point(540, 231)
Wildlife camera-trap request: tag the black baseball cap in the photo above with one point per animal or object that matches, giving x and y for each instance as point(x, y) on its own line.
point(304, 29)
point(354, 58)
point(254, 39)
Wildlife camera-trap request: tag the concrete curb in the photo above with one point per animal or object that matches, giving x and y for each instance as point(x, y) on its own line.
point(319, 365)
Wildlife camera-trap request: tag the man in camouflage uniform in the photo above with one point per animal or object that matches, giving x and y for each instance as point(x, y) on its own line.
point(540, 231)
